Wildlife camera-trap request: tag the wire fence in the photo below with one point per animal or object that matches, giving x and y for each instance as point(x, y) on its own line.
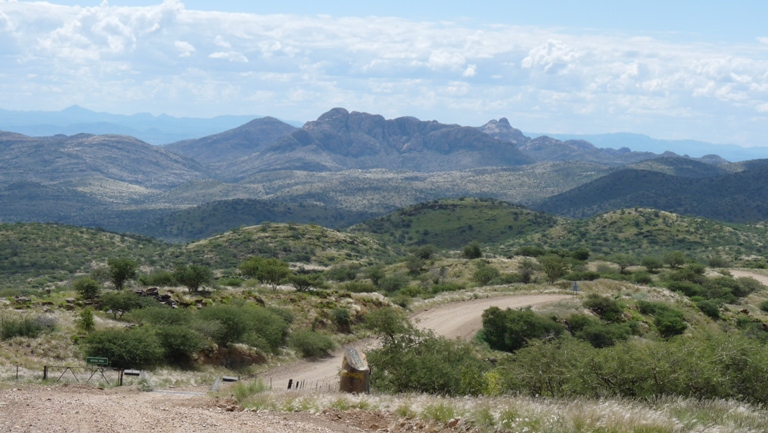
point(10, 373)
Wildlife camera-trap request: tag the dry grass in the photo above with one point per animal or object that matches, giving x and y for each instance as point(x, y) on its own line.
point(523, 414)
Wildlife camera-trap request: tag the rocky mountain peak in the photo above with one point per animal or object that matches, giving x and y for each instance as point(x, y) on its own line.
point(502, 130)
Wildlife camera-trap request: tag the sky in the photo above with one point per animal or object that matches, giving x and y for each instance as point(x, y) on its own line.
point(668, 69)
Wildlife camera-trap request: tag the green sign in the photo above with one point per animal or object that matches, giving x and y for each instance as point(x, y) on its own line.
point(93, 360)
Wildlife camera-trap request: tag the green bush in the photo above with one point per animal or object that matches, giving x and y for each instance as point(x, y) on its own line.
point(247, 324)
point(764, 306)
point(393, 283)
point(642, 277)
point(162, 315)
point(446, 287)
point(311, 344)
point(509, 330)
point(530, 251)
point(608, 309)
point(484, 273)
point(423, 363)
point(358, 287)
point(121, 302)
point(179, 343)
point(604, 335)
point(670, 322)
point(86, 287)
point(85, 320)
point(158, 278)
point(472, 251)
point(342, 273)
point(231, 282)
point(582, 276)
point(686, 288)
point(709, 307)
point(342, 318)
point(26, 327)
point(134, 348)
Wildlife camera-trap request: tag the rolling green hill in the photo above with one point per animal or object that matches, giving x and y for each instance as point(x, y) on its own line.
point(648, 231)
point(310, 244)
point(35, 255)
point(455, 223)
point(738, 198)
point(217, 217)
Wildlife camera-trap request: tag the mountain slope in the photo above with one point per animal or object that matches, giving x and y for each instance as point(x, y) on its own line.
point(220, 216)
point(66, 158)
point(235, 143)
point(340, 140)
point(456, 223)
point(643, 231)
point(737, 197)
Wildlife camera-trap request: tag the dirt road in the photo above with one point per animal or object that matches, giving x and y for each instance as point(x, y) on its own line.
point(459, 319)
point(759, 277)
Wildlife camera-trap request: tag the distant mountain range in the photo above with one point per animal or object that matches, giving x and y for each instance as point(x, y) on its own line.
point(345, 167)
point(644, 143)
point(144, 126)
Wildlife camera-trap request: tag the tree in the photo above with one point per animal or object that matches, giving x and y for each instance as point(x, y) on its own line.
point(484, 273)
point(121, 302)
point(674, 259)
point(623, 260)
point(526, 269)
point(88, 288)
point(472, 251)
point(121, 270)
point(304, 282)
point(554, 266)
point(651, 263)
point(267, 270)
point(581, 254)
point(375, 274)
point(193, 276)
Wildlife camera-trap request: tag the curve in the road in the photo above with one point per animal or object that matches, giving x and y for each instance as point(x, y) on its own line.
point(458, 319)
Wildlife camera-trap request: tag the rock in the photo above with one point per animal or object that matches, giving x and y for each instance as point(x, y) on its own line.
point(454, 422)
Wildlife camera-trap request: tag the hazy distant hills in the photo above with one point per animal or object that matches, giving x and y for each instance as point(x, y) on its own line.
point(735, 197)
point(346, 167)
point(230, 145)
point(83, 156)
point(144, 126)
point(644, 143)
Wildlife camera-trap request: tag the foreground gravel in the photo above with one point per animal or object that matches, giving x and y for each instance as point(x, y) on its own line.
point(76, 408)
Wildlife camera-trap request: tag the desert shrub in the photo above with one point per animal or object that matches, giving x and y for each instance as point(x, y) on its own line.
point(160, 278)
point(674, 259)
point(608, 309)
point(642, 277)
point(86, 287)
point(358, 287)
point(724, 366)
point(651, 263)
point(472, 251)
point(604, 335)
point(134, 348)
point(424, 252)
point(193, 276)
point(670, 322)
point(247, 324)
point(26, 327)
point(582, 276)
point(709, 307)
point(388, 322)
point(409, 291)
point(231, 282)
point(554, 266)
point(484, 273)
point(305, 282)
point(120, 302)
point(509, 330)
point(85, 321)
point(747, 286)
point(311, 344)
point(422, 362)
point(161, 315)
point(507, 278)
point(764, 306)
point(446, 287)
point(718, 262)
point(686, 288)
point(393, 283)
point(343, 273)
point(581, 254)
point(530, 251)
point(342, 318)
point(179, 343)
